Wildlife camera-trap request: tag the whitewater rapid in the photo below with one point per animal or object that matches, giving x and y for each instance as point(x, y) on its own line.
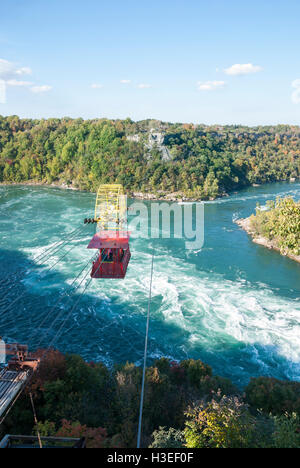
point(232, 304)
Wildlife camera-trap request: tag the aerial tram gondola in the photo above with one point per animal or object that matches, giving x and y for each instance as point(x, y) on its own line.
point(112, 237)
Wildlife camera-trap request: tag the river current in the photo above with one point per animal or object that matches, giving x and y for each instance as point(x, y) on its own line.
point(232, 303)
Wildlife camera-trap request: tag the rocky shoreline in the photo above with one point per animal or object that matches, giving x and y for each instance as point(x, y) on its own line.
point(43, 184)
point(170, 197)
point(245, 224)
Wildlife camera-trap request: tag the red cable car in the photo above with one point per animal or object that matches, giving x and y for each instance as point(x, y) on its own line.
point(112, 239)
point(114, 254)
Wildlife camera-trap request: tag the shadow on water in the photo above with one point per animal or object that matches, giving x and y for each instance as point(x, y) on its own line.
point(110, 328)
point(105, 330)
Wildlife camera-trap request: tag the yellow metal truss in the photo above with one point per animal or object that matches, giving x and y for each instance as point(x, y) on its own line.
point(110, 208)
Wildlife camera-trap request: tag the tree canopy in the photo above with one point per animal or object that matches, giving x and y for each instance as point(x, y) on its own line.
point(280, 223)
point(74, 398)
point(203, 162)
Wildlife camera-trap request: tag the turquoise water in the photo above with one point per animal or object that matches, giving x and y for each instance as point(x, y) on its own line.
point(233, 304)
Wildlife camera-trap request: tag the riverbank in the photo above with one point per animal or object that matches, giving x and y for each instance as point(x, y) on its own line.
point(42, 184)
point(170, 197)
point(159, 196)
point(245, 223)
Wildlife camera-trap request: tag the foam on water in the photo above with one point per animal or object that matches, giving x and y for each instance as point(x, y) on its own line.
point(224, 303)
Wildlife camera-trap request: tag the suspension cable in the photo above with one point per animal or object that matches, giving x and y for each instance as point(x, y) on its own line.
point(45, 259)
point(10, 315)
point(46, 351)
point(71, 236)
point(12, 403)
point(44, 253)
point(145, 357)
point(57, 246)
point(60, 313)
point(35, 421)
point(69, 314)
point(66, 292)
point(73, 308)
point(47, 269)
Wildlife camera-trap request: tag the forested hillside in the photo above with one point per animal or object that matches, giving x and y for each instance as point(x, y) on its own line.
point(185, 405)
point(203, 161)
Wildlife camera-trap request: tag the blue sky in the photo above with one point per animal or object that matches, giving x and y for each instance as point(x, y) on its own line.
point(222, 61)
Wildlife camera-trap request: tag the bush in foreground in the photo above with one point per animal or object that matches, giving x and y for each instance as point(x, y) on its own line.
point(73, 396)
point(273, 395)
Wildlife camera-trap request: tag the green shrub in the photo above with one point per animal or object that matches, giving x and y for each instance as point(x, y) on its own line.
point(273, 396)
point(222, 423)
point(167, 438)
point(286, 433)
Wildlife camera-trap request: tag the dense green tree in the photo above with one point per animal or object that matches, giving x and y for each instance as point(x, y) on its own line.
point(73, 397)
point(280, 223)
point(167, 438)
point(273, 395)
point(205, 161)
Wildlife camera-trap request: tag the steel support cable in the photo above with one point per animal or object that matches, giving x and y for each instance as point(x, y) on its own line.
point(60, 258)
point(49, 255)
point(145, 358)
point(41, 255)
point(73, 308)
point(46, 258)
point(70, 236)
point(61, 312)
point(13, 402)
point(73, 292)
point(26, 383)
point(69, 314)
point(66, 293)
point(55, 245)
point(44, 354)
point(35, 420)
point(59, 247)
point(10, 315)
point(43, 271)
point(46, 351)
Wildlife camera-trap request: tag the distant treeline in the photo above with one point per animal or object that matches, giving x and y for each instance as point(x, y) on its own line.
point(185, 406)
point(203, 161)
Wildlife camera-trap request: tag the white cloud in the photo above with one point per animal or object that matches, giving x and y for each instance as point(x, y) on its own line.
point(24, 71)
point(6, 69)
point(10, 76)
point(296, 93)
point(144, 86)
point(9, 70)
point(125, 81)
point(41, 89)
point(242, 69)
point(18, 83)
point(96, 85)
point(210, 85)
